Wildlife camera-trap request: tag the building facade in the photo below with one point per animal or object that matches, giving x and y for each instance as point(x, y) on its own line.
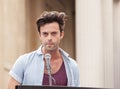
point(92, 32)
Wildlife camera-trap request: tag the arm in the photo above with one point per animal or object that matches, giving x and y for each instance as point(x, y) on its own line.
point(12, 83)
point(16, 73)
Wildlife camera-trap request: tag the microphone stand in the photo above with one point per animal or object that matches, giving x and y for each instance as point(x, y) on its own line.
point(47, 58)
point(50, 77)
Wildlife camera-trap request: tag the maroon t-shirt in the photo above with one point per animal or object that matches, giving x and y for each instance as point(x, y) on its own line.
point(59, 78)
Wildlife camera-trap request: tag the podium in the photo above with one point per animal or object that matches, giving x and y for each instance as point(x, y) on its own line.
point(53, 87)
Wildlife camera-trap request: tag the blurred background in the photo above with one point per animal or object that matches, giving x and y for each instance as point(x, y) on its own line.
point(92, 36)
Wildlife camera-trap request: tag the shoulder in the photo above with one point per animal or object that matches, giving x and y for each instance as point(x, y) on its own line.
point(72, 62)
point(32, 54)
point(25, 58)
point(67, 58)
point(22, 61)
point(28, 55)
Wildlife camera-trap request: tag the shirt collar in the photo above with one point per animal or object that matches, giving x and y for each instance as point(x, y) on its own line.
point(39, 51)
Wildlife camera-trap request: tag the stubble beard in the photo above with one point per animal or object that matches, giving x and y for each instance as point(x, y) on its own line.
point(50, 48)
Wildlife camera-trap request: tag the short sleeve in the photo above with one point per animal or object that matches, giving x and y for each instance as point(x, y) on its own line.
point(17, 71)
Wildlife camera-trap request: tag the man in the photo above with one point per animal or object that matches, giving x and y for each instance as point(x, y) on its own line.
point(30, 68)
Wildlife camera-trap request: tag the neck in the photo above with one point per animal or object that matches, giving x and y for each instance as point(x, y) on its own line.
point(55, 54)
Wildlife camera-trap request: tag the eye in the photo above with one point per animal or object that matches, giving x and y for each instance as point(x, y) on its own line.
point(44, 33)
point(54, 33)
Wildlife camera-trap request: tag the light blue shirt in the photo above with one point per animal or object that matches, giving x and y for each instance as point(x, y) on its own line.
point(29, 69)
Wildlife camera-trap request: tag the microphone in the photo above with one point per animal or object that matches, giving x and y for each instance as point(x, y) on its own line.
point(47, 59)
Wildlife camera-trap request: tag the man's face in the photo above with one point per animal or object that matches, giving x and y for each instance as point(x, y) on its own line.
point(50, 36)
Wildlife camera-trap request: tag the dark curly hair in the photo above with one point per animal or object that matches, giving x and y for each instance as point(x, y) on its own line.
point(52, 16)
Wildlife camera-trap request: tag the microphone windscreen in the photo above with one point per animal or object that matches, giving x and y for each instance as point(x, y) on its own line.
point(47, 56)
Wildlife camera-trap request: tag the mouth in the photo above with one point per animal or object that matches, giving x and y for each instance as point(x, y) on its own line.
point(49, 44)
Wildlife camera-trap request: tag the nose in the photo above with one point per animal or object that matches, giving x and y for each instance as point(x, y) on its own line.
point(49, 37)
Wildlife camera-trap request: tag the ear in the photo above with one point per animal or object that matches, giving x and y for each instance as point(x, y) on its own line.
point(62, 35)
